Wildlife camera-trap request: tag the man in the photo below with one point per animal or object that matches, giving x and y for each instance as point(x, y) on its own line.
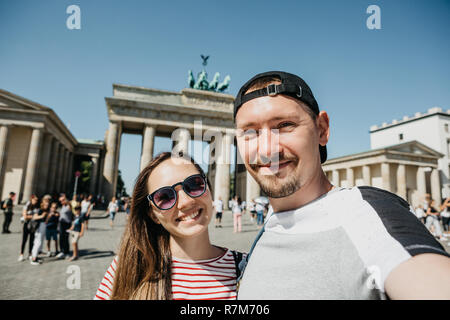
point(259, 207)
point(65, 222)
point(7, 207)
point(218, 205)
point(324, 242)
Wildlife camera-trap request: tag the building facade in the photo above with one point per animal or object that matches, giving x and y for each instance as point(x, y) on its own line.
point(37, 151)
point(430, 128)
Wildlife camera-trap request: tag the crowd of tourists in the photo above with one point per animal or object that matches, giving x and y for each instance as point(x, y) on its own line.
point(58, 223)
point(257, 208)
point(436, 218)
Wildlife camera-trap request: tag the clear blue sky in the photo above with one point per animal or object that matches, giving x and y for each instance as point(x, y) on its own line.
point(361, 77)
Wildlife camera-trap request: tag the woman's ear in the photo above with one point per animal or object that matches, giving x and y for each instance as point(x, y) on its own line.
point(152, 216)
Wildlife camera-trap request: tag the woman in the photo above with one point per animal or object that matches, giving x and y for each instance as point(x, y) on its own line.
point(113, 208)
point(76, 232)
point(51, 232)
point(165, 252)
point(236, 209)
point(39, 235)
point(86, 208)
point(29, 227)
point(445, 214)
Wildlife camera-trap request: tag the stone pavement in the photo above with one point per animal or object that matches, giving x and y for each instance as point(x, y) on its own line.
point(49, 281)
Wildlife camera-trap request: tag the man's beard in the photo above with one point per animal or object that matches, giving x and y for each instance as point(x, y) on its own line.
point(273, 187)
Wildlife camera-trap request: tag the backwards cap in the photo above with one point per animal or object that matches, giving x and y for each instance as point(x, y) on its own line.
point(291, 85)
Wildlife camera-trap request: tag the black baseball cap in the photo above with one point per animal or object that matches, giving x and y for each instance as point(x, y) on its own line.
point(291, 85)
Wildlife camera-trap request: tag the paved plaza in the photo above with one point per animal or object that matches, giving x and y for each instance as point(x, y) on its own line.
point(48, 281)
point(52, 279)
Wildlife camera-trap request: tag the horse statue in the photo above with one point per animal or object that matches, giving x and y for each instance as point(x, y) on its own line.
point(214, 83)
point(191, 79)
point(224, 85)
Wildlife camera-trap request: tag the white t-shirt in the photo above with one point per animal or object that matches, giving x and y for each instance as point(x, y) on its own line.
point(218, 204)
point(235, 208)
point(420, 213)
point(112, 207)
point(259, 207)
point(343, 245)
point(85, 206)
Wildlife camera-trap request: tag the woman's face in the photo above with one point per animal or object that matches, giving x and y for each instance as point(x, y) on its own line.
point(189, 216)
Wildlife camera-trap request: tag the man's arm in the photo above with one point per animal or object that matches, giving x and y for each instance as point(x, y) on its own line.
point(425, 276)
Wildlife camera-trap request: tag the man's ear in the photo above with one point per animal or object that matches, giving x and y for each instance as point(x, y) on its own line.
point(323, 124)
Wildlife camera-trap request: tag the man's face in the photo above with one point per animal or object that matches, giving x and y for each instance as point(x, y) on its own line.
point(279, 143)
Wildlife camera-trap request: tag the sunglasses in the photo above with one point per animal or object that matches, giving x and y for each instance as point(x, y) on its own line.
point(165, 198)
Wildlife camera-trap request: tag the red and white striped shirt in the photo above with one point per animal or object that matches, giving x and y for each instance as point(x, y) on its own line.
point(212, 279)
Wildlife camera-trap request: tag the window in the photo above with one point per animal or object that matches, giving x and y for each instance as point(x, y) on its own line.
point(446, 127)
point(400, 136)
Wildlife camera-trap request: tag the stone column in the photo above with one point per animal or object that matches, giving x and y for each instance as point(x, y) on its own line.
point(4, 133)
point(386, 176)
point(335, 178)
point(51, 183)
point(147, 145)
point(65, 170)
point(366, 175)
point(110, 169)
point(94, 175)
point(401, 181)
point(222, 178)
point(32, 164)
point(59, 173)
point(350, 177)
point(100, 178)
point(70, 175)
point(435, 187)
point(44, 166)
point(253, 189)
point(421, 182)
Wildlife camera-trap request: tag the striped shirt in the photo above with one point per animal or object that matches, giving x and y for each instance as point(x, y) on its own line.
point(212, 279)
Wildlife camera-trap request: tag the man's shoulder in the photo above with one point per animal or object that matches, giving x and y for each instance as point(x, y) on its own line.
point(373, 194)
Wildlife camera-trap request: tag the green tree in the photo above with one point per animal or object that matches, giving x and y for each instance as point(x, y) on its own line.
point(121, 191)
point(85, 178)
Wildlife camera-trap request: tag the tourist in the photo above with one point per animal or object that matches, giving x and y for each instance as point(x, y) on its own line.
point(420, 213)
point(218, 206)
point(251, 208)
point(445, 214)
point(432, 220)
point(39, 235)
point(165, 252)
point(86, 208)
point(29, 226)
point(236, 210)
point(51, 232)
point(112, 209)
point(324, 241)
point(259, 208)
point(76, 232)
point(65, 222)
point(7, 207)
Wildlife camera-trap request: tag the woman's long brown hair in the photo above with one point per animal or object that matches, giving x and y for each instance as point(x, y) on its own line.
point(144, 268)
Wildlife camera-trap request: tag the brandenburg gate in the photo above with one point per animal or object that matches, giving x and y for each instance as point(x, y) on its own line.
point(181, 115)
